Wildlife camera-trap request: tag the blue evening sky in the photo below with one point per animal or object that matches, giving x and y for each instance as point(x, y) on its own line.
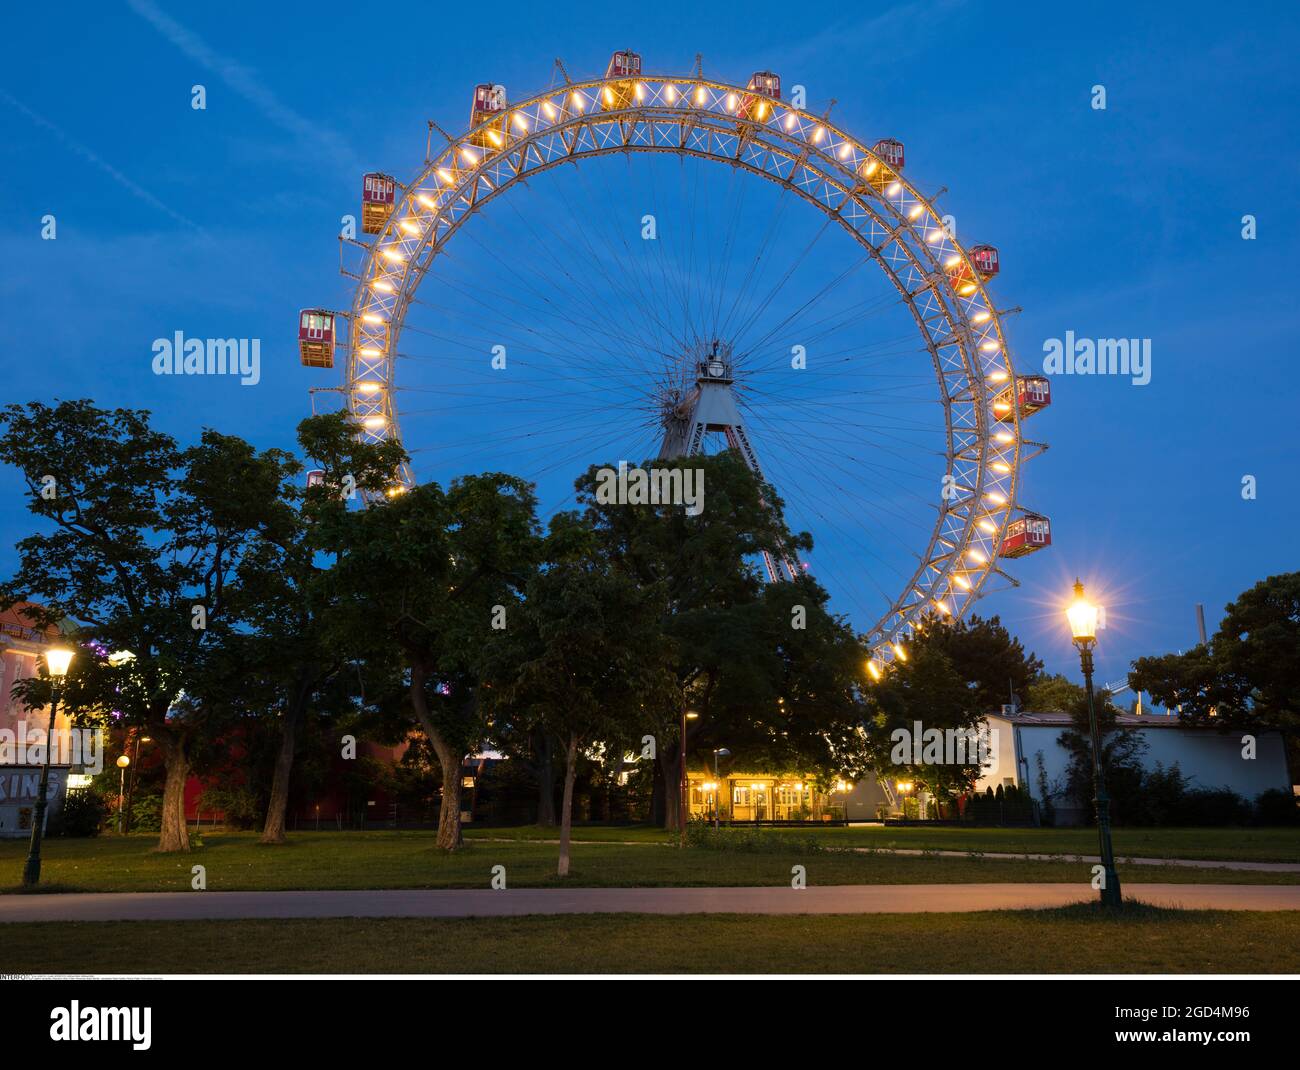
point(1123, 222)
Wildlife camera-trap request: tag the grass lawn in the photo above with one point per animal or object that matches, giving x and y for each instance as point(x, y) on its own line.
point(1216, 844)
point(235, 861)
point(1068, 940)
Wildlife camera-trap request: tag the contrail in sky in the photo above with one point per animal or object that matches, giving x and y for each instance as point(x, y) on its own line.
point(242, 80)
point(86, 154)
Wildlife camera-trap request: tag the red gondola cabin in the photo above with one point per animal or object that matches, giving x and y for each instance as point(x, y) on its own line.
point(1032, 392)
point(488, 105)
point(626, 67)
point(985, 259)
point(752, 105)
point(1026, 534)
point(316, 338)
point(885, 165)
point(377, 194)
point(315, 478)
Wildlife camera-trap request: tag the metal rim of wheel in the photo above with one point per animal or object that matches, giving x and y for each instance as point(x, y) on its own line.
point(810, 156)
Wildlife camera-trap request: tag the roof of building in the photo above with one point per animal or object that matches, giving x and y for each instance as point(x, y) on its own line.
point(1056, 719)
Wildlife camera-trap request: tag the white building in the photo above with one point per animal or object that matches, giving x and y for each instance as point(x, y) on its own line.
point(1206, 756)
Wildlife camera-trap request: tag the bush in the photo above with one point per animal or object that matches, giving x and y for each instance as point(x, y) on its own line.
point(82, 814)
point(240, 807)
point(748, 839)
point(146, 814)
point(1276, 807)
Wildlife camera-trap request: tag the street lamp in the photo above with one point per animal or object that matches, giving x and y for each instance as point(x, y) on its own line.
point(687, 715)
point(1082, 615)
point(57, 660)
point(122, 762)
point(718, 752)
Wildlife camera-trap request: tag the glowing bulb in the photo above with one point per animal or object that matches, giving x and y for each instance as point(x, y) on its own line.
point(790, 119)
point(383, 286)
point(521, 123)
point(373, 423)
point(962, 582)
point(895, 189)
point(731, 102)
point(608, 94)
point(394, 256)
point(935, 236)
point(1005, 436)
point(370, 317)
point(995, 497)
point(916, 211)
point(899, 652)
point(874, 669)
point(428, 203)
point(370, 351)
point(549, 109)
point(369, 386)
point(998, 377)
point(976, 556)
point(578, 103)
point(987, 525)
point(991, 346)
point(495, 138)
point(980, 317)
point(1000, 466)
point(446, 176)
point(468, 156)
point(670, 93)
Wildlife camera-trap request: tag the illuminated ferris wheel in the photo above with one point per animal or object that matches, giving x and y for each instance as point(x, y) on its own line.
point(609, 289)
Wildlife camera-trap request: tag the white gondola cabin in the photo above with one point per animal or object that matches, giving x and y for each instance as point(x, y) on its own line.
point(621, 75)
point(487, 116)
point(1026, 534)
point(316, 338)
point(377, 194)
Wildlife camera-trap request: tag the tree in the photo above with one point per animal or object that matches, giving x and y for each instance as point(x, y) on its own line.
point(1248, 675)
point(284, 589)
point(741, 651)
point(926, 690)
point(145, 542)
point(429, 572)
point(1054, 694)
point(985, 655)
point(585, 658)
point(1120, 758)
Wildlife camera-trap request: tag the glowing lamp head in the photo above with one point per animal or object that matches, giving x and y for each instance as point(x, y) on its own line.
point(123, 761)
point(57, 660)
point(1083, 616)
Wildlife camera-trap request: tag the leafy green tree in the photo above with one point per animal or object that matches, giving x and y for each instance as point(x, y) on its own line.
point(1053, 693)
point(586, 656)
point(764, 666)
point(1248, 675)
point(992, 661)
point(429, 573)
point(142, 544)
point(284, 591)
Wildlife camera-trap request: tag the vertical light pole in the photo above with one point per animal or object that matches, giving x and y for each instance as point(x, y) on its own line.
point(718, 752)
point(122, 762)
point(684, 795)
point(57, 660)
point(1082, 615)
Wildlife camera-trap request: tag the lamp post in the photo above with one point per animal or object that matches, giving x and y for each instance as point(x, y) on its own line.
point(57, 660)
point(130, 784)
point(684, 805)
point(1082, 615)
point(122, 762)
point(718, 752)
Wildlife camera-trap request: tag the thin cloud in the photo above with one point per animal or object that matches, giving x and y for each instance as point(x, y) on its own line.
point(242, 80)
point(86, 154)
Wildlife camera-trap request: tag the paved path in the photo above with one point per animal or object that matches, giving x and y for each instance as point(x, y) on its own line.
point(1128, 860)
point(482, 902)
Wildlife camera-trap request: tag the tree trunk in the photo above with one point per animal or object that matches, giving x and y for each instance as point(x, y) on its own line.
point(545, 783)
point(273, 829)
point(657, 816)
point(566, 808)
point(449, 812)
point(175, 835)
point(671, 766)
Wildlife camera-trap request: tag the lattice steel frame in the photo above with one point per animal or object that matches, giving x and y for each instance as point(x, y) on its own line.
point(899, 228)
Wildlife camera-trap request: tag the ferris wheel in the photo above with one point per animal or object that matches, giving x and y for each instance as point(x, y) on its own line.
point(609, 289)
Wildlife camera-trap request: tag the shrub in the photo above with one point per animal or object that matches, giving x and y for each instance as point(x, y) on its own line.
point(146, 813)
point(1276, 807)
point(82, 814)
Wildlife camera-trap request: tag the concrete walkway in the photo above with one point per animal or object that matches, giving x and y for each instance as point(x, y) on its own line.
point(483, 902)
point(1127, 860)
